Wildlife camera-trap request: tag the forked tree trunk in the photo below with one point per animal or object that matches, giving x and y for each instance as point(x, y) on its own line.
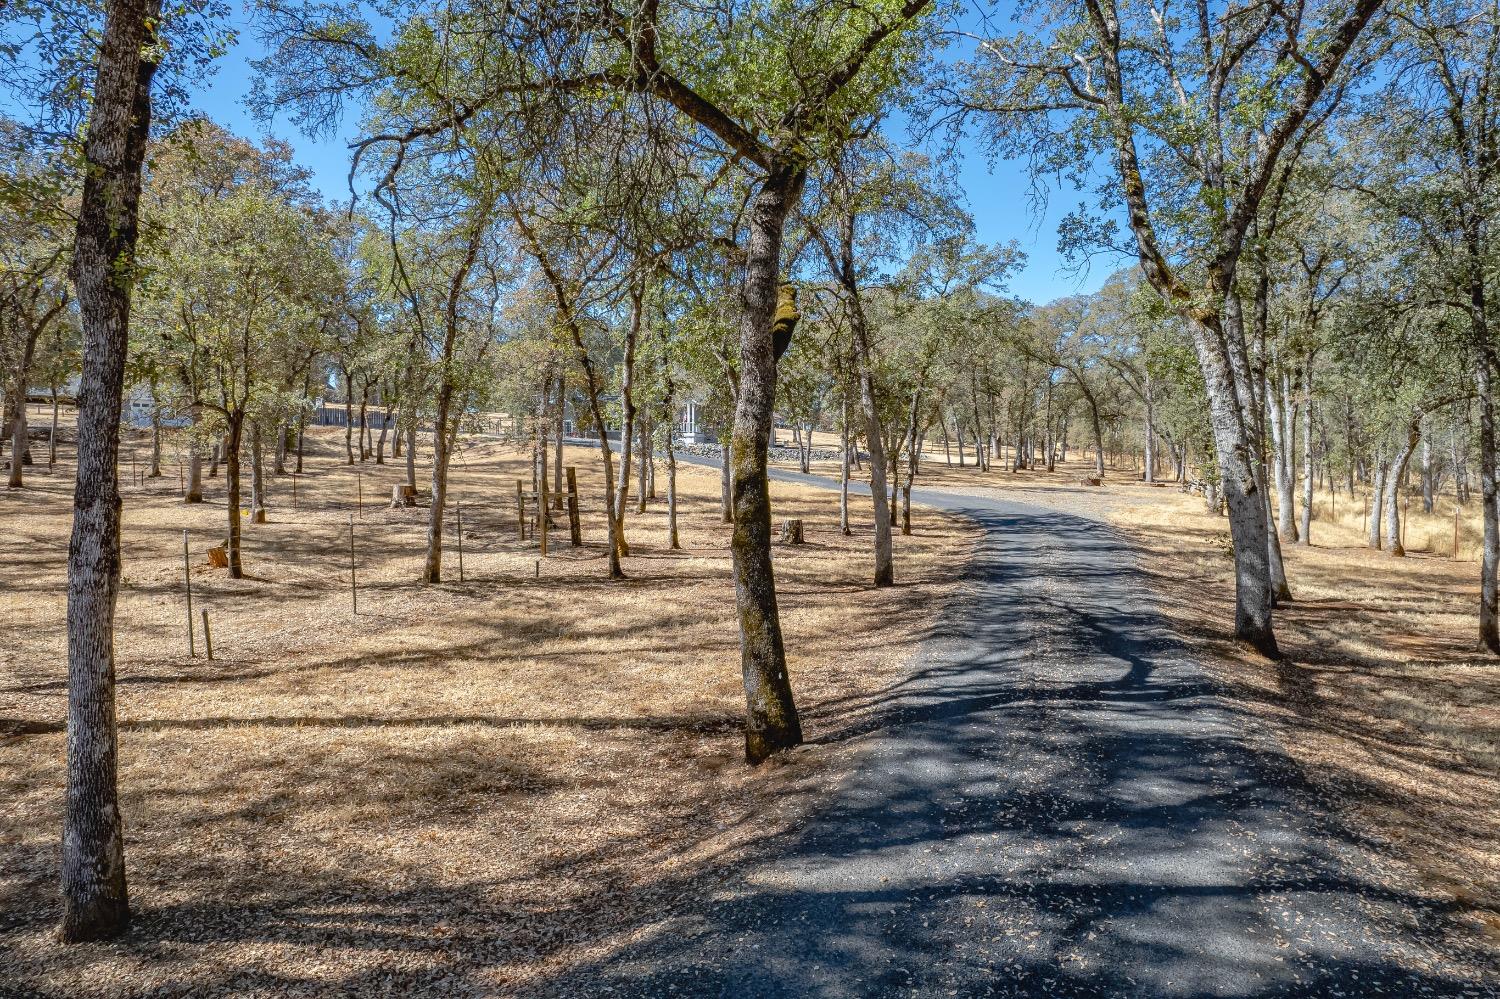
point(95, 903)
point(385, 429)
point(1237, 482)
point(771, 720)
point(1393, 479)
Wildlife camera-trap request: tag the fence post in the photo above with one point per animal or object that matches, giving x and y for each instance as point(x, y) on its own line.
point(208, 641)
point(575, 534)
point(459, 511)
point(353, 587)
point(187, 578)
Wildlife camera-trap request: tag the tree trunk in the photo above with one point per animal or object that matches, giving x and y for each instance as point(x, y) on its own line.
point(282, 432)
point(645, 457)
point(1150, 448)
point(557, 462)
point(232, 483)
point(771, 720)
point(1377, 499)
point(411, 453)
point(52, 435)
point(95, 903)
point(432, 567)
point(385, 429)
point(726, 489)
point(1281, 448)
point(1489, 584)
point(348, 419)
point(364, 424)
point(17, 444)
point(301, 437)
point(1098, 435)
point(844, 469)
point(1393, 482)
point(155, 472)
point(257, 476)
point(1247, 518)
point(194, 473)
point(1304, 533)
point(885, 573)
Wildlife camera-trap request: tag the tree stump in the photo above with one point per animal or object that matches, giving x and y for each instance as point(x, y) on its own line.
point(218, 557)
point(791, 532)
point(403, 495)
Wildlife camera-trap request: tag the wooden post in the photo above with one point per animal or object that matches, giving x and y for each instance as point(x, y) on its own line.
point(208, 641)
point(520, 510)
point(1405, 516)
point(1455, 529)
point(575, 535)
point(353, 588)
point(187, 579)
point(181, 487)
point(294, 490)
point(541, 512)
point(359, 492)
point(458, 509)
point(538, 569)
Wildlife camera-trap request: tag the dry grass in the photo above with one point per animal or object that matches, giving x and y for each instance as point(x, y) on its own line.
point(464, 786)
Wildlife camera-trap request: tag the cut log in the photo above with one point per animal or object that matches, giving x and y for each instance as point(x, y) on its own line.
point(218, 557)
point(1090, 481)
point(791, 532)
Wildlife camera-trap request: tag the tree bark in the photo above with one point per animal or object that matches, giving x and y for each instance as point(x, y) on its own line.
point(257, 476)
point(1237, 482)
point(1304, 532)
point(1377, 501)
point(771, 720)
point(844, 469)
point(95, 902)
point(232, 483)
point(1393, 478)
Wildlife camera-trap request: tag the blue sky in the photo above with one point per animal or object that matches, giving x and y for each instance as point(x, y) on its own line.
point(998, 199)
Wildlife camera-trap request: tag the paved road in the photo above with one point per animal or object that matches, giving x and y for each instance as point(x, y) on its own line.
point(1059, 805)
